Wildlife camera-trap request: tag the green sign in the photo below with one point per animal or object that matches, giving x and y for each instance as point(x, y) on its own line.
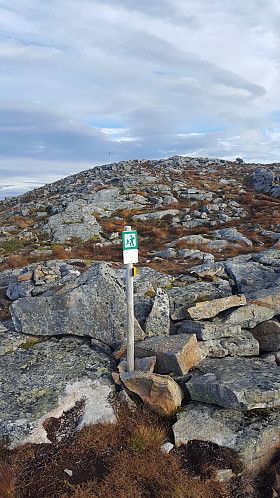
point(130, 240)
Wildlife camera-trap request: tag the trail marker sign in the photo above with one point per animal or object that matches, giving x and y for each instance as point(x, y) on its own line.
point(130, 256)
point(130, 247)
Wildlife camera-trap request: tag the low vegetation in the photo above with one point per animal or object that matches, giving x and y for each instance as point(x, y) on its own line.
point(120, 460)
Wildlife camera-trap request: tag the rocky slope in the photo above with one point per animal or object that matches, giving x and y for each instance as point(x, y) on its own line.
point(207, 301)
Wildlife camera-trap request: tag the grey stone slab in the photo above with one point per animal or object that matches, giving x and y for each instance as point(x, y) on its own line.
point(236, 383)
point(175, 354)
point(268, 258)
point(243, 344)
point(94, 306)
point(232, 235)
point(254, 438)
point(251, 276)
point(247, 316)
point(167, 253)
point(158, 321)
point(206, 331)
point(73, 222)
point(209, 269)
point(44, 380)
point(181, 298)
point(158, 215)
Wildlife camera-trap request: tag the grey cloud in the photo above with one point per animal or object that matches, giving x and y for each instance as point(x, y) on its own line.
point(47, 135)
point(160, 9)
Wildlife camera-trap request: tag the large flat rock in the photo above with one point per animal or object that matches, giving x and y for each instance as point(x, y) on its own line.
point(243, 344)
point(93, 306)
point(209, 309)
point(182, 298)
point(251, 276)
point(254, 437)
point(206, 331)
point(75, 221)
point(236, 383)
point(42, 380)
point(247, 316)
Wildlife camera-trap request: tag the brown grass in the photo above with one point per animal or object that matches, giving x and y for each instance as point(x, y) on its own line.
point(22, 222)
point(182, 244)
point(60, 253)
point(7, 480)
point(15, 261)
point(111, 460)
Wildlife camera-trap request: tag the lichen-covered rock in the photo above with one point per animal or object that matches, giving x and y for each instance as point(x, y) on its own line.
point(159, 392)
point(254, 436)
point(158, 215)
point(206, 331)
point(75, 221)
point(247, 316)
point(181, 298)
point(208, 309)
point(38, 278)
point(41, 380)
point(251, 276)
point(158, 321)
point(243, 344)
point(236, 383)
point(269, 298)
point(175, 354)
point(94, 305)
point(209, 269)
point(232, 235)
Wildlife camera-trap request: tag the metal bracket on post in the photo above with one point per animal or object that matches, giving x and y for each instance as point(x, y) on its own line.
point(130, 251)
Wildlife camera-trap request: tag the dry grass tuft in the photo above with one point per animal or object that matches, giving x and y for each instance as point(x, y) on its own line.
point(15, 261)
point(7, 480)
point(107, 460)
point(60, 253)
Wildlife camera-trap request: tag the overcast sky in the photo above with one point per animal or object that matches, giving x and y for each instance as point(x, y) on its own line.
point(137, 78)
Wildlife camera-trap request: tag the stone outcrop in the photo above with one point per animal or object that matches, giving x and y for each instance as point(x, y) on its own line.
point(222, 348)
point(254, 438)
point(252, 276)
point(75, 221)
point(93, 306)
point(208, 330)
point(243, 344)
point(247, 316)
point(160, 393)
point(236, 383)
point(264, 180)
point(41, 380)
point(40, 278)
point(232, 235)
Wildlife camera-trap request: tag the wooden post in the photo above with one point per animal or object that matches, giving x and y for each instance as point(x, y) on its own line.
point(130, 313)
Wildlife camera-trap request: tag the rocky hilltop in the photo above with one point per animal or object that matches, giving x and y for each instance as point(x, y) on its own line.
point(206, 301)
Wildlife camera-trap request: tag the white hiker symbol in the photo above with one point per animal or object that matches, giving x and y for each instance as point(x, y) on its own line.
point(130, 241)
